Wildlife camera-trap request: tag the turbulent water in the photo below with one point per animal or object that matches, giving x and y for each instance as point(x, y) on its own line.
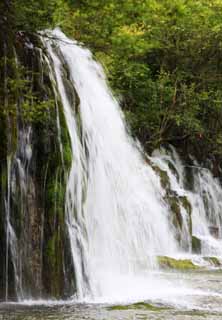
point(203, 302)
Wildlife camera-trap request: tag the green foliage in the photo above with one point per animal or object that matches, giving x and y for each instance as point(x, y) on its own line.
point(31, 15)
point(20, 95)
point(163, 60)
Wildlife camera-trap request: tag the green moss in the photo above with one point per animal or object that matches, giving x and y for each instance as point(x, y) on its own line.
point(214, 261)
point(171, 263)
point(186, 204)
point(50, 249)
point(174, 170)
point(196, 245)
point(66, 142)
point(139, 305)
point(4, 177)
point(175, 210)
point(55, 263)
point(164, 179)
point(67, 153)
point(56, 191)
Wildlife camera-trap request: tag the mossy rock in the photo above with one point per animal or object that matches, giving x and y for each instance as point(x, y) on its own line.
point(164, 179)
point(175, 210)
point(196, 245)
point(213, 261)
point(139, 305)
point(180, 264)
point(174, 170)
point(186, 204)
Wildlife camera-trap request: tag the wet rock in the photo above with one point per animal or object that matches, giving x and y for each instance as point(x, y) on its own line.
point(196, 245)
point(213, 261)
point(214, 231)
point(180, 264)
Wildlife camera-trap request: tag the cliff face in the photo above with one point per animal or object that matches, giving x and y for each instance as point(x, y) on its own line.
point(34, 160)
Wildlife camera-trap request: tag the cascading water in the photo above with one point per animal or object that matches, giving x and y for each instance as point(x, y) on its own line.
point(207, 208)
point(116, 216)
point(8, 225)
point(170, 163)
point(18, 172)
point(11, 239)
point(205, 198)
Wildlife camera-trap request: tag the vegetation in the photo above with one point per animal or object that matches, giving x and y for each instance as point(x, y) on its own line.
point(138, 306)
point(185, 264)
point(171, 263)
point(215, 262)
point(162, 58)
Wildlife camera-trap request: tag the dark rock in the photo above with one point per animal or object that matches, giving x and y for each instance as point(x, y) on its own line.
point(214, 231)
point(196, 245)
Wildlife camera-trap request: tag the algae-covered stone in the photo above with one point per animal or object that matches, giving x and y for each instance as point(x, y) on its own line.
point(213, 261)
point(174, 170)
point(186, 204)
point(139, 305)
point(196, 245)
point(180, 264)
point(174, 205)
point(164, 179)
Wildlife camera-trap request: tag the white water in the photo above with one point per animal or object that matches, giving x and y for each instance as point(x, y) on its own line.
point(207, 212)
point(116, 217)
point(11, 239)
point(23, 181)
point(165, 161)
point(8, 225)
point(205, 199)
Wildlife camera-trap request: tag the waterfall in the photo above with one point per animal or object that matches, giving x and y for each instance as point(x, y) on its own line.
point(116, 217)
point(171, 163)
point(7, 206)
point(204, 196)
point(123, 208)
point(11, 239)
point(207, 209)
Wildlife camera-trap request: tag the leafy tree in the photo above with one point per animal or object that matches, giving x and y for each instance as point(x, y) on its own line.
point(163, 59)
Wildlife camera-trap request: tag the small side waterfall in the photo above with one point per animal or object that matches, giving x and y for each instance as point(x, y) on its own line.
point(8, 224)
point(34, 245)
point(18, 194)
point(204, 197)
point(207, 209)
point(176, 194)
